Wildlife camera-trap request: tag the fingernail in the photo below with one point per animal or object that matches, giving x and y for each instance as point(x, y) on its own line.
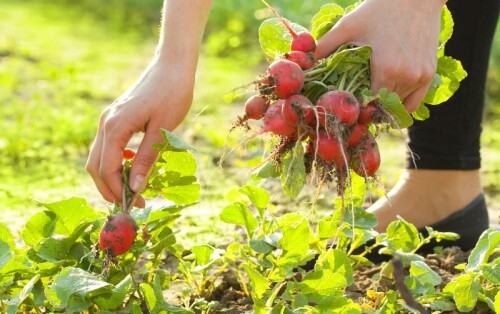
point(138, 183)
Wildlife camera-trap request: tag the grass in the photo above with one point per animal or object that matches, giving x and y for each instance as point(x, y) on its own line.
point(60, 68)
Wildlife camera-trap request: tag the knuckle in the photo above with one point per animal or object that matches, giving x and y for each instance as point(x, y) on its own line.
point(111, 123)
point(428, 74)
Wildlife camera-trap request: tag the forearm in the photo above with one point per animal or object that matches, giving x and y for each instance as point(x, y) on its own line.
point(182, 30)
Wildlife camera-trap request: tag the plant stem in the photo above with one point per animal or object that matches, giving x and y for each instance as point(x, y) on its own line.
point(242, 281)
point(272, 297)
point(354, 80)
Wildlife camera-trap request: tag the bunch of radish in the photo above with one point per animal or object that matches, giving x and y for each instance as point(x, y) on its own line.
point(303, 100)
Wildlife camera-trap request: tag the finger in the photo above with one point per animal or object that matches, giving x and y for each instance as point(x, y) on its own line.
point(413, 101)
point(144, 159)
point(332, 40)
point(94, 161)
point(110, 168)
point(383, 74)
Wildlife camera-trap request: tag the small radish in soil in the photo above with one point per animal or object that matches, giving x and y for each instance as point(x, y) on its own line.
point(286, 77)
point(298, 109)
point(303, 59)
point(367, 160)
point(274, 121)
point(256, 107)
point(329, 149)
point(358, 133)
point(118, 234)
point(301, 41)
point(337, 106)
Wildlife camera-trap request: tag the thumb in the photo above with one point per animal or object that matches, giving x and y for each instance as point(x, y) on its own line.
point(331, 41)
point(144, 160)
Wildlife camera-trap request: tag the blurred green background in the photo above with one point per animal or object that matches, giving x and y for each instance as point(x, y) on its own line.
point(63, 61)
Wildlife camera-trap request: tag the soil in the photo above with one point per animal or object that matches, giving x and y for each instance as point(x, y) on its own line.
point(368, 288)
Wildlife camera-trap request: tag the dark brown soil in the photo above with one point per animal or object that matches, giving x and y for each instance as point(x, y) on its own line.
point(367, 288)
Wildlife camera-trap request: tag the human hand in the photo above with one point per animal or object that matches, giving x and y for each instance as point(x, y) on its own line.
point(404, 37)
point(159, 99)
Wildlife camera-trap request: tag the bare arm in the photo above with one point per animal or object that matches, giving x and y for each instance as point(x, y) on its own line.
point(160, 98)
point(404, 36)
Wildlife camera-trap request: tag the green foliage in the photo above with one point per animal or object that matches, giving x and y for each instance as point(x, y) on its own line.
point(59, 267)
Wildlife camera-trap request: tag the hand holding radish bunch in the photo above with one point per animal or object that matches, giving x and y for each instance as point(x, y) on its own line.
point(335, 105)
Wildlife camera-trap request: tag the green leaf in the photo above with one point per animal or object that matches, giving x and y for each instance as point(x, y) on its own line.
point(486, 245)
point(182, 195)
point(446, 81)
point(357, 193)
point(497, 302)
point(443, 305)
point(173, 174)
point(492, 272)
point(39, 226)
point(70, 214)
point(446, 26)
point(259, 283)
point(360, 218)
point(338, 262)
point(7, 246)
point(115, 298)
point(203, 253)
point(71, 288)
point(421, 113)
point(327, 227)
point(327, 16)
point(269, 170)
point(19, 265)
point(338, 304)
point(293, 173)
point(392, 103)
point(424, 274)
point(173, 143)
point(239, 214)
point(466, 291)
point(296, 233)
point(274, 38)
point(18, 299)
point(56, 248)
point(258, 196)
point(150, 297)
point(323, 282)
point(402, 235)
point(7, 238)
point(261, 246)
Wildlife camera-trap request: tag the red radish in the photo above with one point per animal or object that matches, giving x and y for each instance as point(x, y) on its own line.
point(274, 121)
point(303, 59)
point(128, 153)
point(286, 77)
point(255, 107)
point(367, 160)
point(329, 149)
point(298, 109)
point(301, 41)
point(367, 113)
point(358, 133)
point(118, 234)
point(339, 105)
